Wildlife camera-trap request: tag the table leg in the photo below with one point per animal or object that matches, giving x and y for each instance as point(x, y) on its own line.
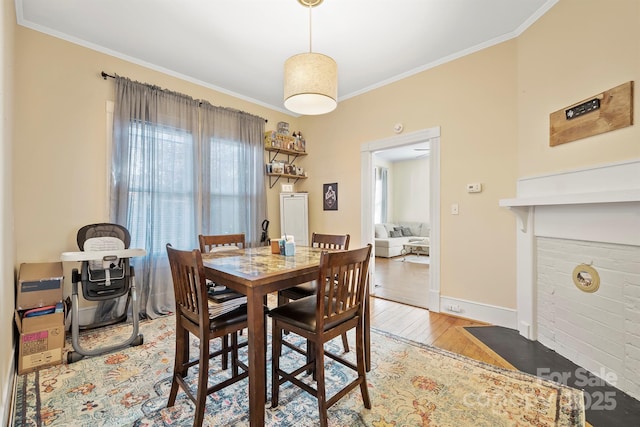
point(257, 358)
point(367, 330)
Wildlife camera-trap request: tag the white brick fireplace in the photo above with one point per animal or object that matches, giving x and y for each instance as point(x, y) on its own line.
point(587, 217)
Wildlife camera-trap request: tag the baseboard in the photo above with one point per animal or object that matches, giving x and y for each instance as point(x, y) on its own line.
point(8, 392)
point(486, 313)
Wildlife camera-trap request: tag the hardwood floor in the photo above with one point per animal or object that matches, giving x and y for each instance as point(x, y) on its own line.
point(439, 330)
point(395, 278)
point(400, 281)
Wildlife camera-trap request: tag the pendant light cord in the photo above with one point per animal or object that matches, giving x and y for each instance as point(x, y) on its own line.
point(310, 27)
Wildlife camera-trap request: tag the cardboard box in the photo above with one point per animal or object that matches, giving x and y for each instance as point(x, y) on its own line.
point(41, 338)
point(41, 341)
point(39, 285)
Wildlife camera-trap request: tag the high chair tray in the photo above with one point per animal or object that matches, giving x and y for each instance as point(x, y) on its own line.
point(98, 255)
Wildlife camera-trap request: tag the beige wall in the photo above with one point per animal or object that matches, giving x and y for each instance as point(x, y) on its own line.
point(492, 108)
point(477, 115)
point(553, 74)
point(410, 195)
point(7, 246)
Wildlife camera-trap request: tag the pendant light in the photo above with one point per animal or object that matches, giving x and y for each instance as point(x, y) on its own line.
point(310, 79)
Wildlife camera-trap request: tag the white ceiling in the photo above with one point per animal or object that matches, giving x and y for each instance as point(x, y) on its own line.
point(239, 46)
point(407, 152)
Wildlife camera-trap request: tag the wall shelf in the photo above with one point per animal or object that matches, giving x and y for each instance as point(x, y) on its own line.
point(274, 152)
point(277, 176)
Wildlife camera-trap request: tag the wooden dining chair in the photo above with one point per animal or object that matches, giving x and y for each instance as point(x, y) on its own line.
point(221, 242)
point(322, 241)
point(334, 310)
point(211, 243)
point(195, 316)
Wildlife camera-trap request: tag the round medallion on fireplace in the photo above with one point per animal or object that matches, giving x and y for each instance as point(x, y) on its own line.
point(586, 278)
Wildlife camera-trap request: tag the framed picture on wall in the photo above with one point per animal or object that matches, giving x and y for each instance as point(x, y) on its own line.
point(330, 196)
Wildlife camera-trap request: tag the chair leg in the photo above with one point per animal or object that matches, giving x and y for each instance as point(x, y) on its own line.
point(234, 353)
point(282, 300)
point(225, 354)
point(276, 350)
point(265, 352)
point(311, 351)
point(345, 343)
point(367, 331)
point(181, 357)
point(321, 393)
point(203, 383)
point(361, 365)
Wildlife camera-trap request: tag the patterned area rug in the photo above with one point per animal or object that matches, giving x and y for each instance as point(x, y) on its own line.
point(410, 385)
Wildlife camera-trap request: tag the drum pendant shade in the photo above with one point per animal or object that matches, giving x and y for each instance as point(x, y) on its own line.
point(310, 79)
point(310, 84)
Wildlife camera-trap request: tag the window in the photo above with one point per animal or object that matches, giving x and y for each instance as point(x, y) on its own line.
point(181, 167)
point(381, 196)
point(161, 187)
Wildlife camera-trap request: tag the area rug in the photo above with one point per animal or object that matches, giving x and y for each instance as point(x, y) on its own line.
point(409, 384)
point(414, 259)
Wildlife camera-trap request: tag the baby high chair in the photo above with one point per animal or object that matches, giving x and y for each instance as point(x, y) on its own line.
point(105, 275)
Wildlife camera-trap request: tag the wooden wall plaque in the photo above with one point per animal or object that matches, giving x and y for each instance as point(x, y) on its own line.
point(607, 111)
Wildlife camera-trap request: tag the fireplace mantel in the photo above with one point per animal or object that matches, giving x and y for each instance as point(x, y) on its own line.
point(574, 199)
point(600, 204)
point(520, 206)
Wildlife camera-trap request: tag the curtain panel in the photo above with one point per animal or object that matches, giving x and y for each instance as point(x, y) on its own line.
point(180, 167)
point(381, 195)
point(232, 173)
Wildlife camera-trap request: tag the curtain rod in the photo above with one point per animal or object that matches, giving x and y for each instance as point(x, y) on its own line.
point(105, 75)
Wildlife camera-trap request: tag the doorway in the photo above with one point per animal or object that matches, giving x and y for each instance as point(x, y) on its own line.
point(431, 136)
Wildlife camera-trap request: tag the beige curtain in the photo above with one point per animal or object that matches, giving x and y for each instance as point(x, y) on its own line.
point(181, 167)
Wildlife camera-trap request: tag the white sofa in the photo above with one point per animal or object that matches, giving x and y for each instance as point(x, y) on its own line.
point(390, 237)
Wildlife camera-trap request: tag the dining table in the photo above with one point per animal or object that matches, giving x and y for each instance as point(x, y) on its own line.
point(256, 272)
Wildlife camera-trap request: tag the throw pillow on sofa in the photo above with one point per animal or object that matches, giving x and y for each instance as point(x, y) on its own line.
point(395, 233)
point(404, 231)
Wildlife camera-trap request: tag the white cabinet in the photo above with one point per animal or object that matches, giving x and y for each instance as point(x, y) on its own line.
point(294, 217)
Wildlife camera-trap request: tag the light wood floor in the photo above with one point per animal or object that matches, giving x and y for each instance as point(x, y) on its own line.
point(400, 281)
point(416, 323)
point(438, 330)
